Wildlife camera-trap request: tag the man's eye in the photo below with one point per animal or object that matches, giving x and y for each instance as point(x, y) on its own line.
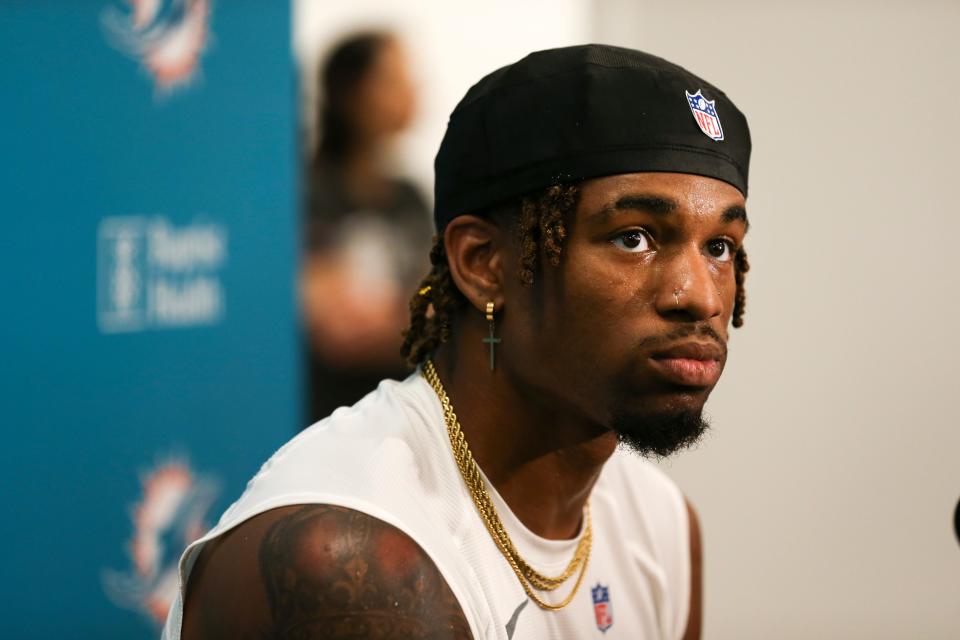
point(721, 250)
point(633, 240)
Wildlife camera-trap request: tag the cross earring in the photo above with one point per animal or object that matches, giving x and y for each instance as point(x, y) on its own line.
point(492, 341)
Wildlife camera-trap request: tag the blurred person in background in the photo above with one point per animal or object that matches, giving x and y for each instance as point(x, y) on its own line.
point(367, 232)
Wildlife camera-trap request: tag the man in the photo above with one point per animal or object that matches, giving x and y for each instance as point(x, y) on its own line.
point(589, 261)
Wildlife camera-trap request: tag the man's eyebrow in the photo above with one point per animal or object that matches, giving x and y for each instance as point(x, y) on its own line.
point(662, 205)
point(734, 213)
point(639, 202)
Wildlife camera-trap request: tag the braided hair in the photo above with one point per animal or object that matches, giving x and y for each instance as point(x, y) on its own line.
point(542, 228)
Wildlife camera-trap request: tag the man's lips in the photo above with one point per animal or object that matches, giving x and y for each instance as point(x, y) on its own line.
point(690, 364)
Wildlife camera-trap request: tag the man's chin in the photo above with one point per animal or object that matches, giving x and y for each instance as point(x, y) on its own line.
point(660, 434)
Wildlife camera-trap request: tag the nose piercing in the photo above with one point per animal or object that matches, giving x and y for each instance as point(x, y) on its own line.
point(676, 294)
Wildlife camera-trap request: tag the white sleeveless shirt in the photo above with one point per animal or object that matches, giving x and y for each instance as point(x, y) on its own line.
point(389, 456)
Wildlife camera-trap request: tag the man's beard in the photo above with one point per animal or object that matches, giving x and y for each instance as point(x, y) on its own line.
point(660, 434)
point(659, 430)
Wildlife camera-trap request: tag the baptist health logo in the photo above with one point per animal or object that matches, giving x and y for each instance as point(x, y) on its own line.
point(152, 275)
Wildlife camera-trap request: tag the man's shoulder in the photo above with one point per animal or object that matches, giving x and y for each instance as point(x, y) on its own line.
point(387, 408)
point(387, 418)
point(364, 457)
point(318, 571)
point(343, 510)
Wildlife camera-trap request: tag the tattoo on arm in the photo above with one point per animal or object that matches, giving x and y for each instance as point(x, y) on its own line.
point(331, 572)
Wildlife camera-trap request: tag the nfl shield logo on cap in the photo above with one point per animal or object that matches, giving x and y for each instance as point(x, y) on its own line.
point(602, 610)
point(705, 113)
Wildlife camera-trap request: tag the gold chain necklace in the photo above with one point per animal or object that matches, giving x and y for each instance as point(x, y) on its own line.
point(529, 577)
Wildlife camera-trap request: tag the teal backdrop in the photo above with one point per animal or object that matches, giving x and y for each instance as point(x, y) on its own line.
point(149, 365)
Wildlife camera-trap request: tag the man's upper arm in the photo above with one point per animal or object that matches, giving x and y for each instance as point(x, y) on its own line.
point(318, 571)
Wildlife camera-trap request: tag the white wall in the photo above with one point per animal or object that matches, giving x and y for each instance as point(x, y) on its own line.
point(453, 44)
point(827, 487)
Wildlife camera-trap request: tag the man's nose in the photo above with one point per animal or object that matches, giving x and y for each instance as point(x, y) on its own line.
point(688, 287)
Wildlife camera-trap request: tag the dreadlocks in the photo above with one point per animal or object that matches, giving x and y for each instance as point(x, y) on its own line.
point(541, 230)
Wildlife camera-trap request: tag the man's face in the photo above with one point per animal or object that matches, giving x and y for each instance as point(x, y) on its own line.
point(630, 331)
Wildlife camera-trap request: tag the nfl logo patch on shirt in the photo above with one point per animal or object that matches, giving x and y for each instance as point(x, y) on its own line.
point(602, 610)
point(705, 113)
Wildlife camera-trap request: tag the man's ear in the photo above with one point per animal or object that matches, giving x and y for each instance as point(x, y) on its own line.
point(475, 247)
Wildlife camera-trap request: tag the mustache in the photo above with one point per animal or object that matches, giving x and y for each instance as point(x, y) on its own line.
point(686, 331)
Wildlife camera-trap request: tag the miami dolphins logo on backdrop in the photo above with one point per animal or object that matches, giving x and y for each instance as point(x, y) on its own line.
point(166, 36)
point(170, 514)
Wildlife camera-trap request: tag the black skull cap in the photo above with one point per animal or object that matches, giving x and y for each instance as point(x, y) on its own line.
point(565, 115)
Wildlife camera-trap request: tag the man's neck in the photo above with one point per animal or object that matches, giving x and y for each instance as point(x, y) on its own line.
point(542, 458)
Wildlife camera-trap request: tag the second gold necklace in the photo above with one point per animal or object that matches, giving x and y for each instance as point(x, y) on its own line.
point(530, 578)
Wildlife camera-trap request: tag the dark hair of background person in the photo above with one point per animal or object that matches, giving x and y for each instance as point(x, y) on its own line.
point(340, 78)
